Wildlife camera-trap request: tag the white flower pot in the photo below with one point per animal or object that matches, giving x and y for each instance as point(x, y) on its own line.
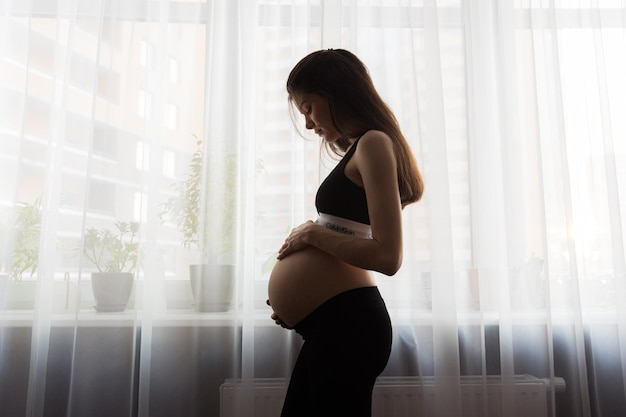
point(111, 290)
point(212, 287)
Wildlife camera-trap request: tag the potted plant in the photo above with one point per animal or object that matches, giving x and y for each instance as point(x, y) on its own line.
point(114, 254)
point(24, 248)
point(19, 253)
point(203, 207)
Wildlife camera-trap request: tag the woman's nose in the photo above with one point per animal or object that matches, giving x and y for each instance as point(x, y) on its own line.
point(309, 123)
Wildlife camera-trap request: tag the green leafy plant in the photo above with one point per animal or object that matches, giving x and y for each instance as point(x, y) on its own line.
point(203, 205)
point(112, 251)
point(23, 250)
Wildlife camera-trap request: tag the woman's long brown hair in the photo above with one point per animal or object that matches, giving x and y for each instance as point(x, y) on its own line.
point(355, 107)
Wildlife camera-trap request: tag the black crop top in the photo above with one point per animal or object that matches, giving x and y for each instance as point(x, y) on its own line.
point(339, 196)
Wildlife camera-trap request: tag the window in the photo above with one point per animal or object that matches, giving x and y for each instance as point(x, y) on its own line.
point(173, 71)
point(105, 169)
point(102, 197)
point(147, 54)
point(142, 158)
point(169, 163)
point(105, 140)
point(172, 116)
point(144, 104)
point(139, 207)
point(114, 98)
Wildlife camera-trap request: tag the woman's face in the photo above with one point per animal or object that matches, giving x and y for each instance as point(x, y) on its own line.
point(316, 112)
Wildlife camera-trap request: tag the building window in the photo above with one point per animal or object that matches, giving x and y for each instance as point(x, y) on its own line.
point(169, 164)
point(174, 71)
point(144, 105)
point(147, 55)
point(142, 157)
point(140, 206)
point(102, 197)
point(172, 116)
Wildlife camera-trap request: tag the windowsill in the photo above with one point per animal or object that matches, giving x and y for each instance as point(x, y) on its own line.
point(174, 307)
point(261, 317)
point(131, 318)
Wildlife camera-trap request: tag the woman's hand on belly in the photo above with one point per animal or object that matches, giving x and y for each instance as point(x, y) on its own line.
point(277, 319)
point(296, 240)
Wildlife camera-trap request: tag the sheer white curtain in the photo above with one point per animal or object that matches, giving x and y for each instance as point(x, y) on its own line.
point(514, 261)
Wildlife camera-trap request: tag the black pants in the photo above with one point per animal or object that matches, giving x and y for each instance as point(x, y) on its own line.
point(347, 342)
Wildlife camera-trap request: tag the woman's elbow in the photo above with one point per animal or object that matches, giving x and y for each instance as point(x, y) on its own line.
point(391, 264)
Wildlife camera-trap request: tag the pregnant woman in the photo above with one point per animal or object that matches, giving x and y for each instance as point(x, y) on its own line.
point(322, 285)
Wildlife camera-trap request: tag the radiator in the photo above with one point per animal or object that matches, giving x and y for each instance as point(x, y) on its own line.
point(404, 396)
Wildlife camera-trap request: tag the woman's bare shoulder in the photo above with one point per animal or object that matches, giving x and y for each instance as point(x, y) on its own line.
point(375, 145)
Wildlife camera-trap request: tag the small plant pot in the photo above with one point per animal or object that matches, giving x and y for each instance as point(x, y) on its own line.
point(212, 287)
point(111, 290)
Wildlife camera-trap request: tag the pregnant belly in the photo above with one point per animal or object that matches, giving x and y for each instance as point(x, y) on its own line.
point(305, 279)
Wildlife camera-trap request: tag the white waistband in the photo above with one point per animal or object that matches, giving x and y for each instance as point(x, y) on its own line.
point(341, 225)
